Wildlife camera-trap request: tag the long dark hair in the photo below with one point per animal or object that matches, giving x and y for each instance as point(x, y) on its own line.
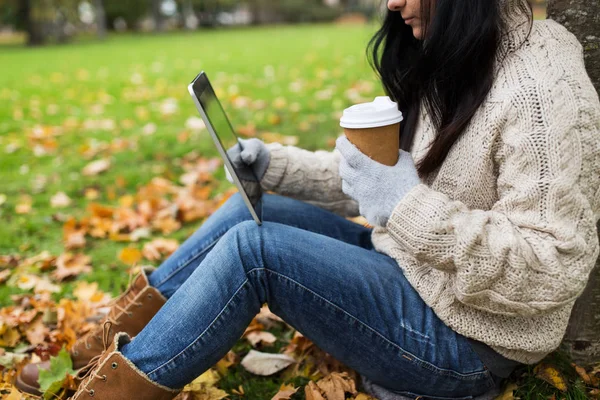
point(451, 70)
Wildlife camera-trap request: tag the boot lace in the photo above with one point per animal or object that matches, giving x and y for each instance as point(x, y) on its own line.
point(113, 315)
point(88, 373)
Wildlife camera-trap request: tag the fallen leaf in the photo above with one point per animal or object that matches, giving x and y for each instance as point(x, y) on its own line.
point(582, 373)
point(256, 337)
point(312, 392)
point(551, 375)
point(60, 366)
point(36, 331)
point(364, 396)
point(14, 395)
point(285, 392)
point(239, 391)
point(60, 200)
point(96, 167)
point(159, 248)
point(508, 392)
point(202, 388)
point(69, 265)
point(227, 361)
point(24, 205)
point(265, 364)
point(130, 255)
point(335, 385)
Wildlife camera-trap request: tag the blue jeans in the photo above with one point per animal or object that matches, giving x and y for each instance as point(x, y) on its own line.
point(317, 271)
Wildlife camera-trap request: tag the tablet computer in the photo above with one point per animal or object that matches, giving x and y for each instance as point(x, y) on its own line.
point(224, 137)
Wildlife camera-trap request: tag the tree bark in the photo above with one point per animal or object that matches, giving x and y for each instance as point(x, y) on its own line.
point(35, 37)
point(157, 15)
point(582, 339)
point(100, 18)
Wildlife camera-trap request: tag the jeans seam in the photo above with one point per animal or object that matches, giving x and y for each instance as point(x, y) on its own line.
point(187, 262)
point(432, 367)
point(172, 359)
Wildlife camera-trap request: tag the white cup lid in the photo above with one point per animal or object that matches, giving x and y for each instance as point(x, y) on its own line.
point(380, 112)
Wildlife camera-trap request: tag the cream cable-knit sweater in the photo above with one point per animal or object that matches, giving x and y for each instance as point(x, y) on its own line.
point(500, 241)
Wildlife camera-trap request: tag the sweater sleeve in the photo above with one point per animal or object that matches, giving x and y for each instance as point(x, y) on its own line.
point(533, 251)
point(312, 177)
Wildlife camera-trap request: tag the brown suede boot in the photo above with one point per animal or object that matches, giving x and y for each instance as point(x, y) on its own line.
point(129, 313)
point(113, 377)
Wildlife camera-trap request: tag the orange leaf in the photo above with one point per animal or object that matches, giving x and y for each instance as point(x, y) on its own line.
point(130, 255)
point(285, 392)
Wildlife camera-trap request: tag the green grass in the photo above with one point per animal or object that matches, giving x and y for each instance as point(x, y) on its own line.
point(47, 86)
point(52, 85)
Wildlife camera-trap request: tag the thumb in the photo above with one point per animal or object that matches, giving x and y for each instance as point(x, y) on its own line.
point(250, 152)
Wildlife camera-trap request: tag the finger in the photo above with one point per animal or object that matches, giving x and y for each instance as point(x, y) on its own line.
point(354, 157)
point(250, 152)
point(346, 188)
point(345, 170)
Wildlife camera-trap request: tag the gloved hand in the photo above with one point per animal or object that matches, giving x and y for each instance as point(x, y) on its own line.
point(250, 162)
point(376, 187)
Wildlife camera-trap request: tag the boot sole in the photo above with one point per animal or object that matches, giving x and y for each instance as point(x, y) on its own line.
point(24, 387)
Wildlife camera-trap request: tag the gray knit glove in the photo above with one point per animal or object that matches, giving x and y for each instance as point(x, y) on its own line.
point(376, 187)
point(250, 161)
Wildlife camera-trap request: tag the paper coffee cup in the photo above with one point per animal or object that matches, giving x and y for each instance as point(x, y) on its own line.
point(374, 128)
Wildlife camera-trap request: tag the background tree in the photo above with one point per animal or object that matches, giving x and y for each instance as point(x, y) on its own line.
point(582, 18)
point(100, 18)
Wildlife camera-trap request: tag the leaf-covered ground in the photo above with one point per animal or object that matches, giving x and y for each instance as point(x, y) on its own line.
point(105, 166)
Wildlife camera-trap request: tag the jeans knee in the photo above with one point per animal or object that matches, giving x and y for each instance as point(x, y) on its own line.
point(247, 236)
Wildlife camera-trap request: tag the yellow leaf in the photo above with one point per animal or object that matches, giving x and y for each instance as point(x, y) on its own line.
point(508, 392)
point(84, 290)
point(130, 255)
point(551, 375)
point(362, 396)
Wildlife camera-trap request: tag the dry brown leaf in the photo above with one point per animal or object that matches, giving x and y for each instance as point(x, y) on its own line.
point(312, 392)
point(256, 337)
point(335, 386)
point(551, 375)
point(285, 392)
point(36, 331)
point(582, 373)
point(239, 391)
point(96, 167)
point(69, 265)
point(159, 248)
point(130, 255)
point(4, 274)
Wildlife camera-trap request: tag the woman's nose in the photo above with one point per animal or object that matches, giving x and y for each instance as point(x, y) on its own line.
point(396, 5)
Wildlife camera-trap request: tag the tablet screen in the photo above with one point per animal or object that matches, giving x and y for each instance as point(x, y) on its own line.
point(226, 136)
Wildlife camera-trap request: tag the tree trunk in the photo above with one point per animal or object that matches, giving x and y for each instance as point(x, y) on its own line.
point(35, 37)
point(157, 15)
point(582, 339)
point(100, 18)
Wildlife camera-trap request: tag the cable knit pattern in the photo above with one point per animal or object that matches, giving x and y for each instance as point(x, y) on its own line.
point(501, 239)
